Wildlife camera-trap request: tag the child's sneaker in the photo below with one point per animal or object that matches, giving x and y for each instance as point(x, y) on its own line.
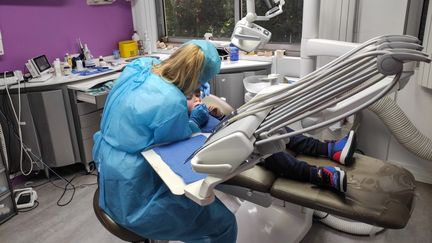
point(329, 176)
point(342, 151)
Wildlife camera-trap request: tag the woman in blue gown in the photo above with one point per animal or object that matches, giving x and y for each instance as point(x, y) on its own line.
point(147, 106)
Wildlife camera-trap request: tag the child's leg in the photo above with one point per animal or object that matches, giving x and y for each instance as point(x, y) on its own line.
point(285, 165)
point(307, 145)
point(340, 151)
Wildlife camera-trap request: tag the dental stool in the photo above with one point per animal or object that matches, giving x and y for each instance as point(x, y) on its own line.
point(112, 226)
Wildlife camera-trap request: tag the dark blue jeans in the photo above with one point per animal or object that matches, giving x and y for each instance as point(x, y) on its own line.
point(285, 165)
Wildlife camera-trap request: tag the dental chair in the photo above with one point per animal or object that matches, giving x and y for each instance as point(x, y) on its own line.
point(278, 209)
point(378, 193)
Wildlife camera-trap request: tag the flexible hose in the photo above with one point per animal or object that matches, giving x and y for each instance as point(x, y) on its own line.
point(355, 228)
point(402, 128)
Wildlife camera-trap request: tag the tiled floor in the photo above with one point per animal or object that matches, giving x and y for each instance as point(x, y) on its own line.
point(76, 222)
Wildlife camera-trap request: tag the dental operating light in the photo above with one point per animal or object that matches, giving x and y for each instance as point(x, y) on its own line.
point(247, 35)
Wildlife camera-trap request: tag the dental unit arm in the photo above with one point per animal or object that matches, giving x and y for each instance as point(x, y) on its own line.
point(252, 133)
point(248, 36)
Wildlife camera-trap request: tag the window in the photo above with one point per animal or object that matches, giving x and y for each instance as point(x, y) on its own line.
point(194, 18)
point(180, 20)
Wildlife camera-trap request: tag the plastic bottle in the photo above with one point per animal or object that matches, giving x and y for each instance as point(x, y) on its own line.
point(69, 60)
point(57, 67)
point(66, 69)
point(136, 36)
point(147, 44)
point(102, 63)
point(233, 53)
point(141, 50)
point(79, 65)
point(66, 57)
point(87, 53)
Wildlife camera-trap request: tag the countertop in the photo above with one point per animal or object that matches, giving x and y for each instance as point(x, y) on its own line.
point(226, 66)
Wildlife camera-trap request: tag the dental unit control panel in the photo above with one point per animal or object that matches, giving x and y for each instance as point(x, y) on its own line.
point(10, 77)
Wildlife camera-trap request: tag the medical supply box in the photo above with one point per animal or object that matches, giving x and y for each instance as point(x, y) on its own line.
point(128, 48)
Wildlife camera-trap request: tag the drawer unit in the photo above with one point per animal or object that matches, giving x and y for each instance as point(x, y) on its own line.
point(88, 148)
point(88, 132)
point(7, 207)
point(85, 108)
point(87, 126)
point(91, 119)
point(95, 99)
point(88, 91)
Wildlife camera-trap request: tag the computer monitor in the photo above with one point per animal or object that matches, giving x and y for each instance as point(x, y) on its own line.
point(39, 68)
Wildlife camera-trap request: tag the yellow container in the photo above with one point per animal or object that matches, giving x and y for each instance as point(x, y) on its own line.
point(128, 48)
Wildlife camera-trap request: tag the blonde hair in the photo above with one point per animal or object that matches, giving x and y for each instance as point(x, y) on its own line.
point(183, 68)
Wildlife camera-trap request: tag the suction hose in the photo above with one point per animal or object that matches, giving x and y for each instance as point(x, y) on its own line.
point(355, 228)
point(402, 128)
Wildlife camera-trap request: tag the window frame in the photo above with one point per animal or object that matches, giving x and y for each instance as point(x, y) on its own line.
point(291, 49)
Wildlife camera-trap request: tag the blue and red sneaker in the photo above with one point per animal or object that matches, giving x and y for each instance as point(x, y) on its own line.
point(342, 151)
point(329, 176)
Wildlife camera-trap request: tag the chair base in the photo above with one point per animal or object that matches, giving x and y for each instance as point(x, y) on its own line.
point(282, 222)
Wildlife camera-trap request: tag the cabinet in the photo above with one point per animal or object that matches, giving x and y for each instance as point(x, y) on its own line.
point(47, 129)
point(229, 86)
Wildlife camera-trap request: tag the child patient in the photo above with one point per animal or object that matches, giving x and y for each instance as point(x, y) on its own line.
point(286, 165)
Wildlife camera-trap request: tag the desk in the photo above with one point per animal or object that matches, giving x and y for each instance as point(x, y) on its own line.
point(61, 117)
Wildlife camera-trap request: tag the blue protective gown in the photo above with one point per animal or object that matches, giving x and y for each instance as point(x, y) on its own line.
point(142, 110)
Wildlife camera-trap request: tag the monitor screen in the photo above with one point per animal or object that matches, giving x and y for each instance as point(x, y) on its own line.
point(41, 63)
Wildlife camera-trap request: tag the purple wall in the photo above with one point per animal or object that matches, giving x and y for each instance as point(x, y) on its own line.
point(33, 27)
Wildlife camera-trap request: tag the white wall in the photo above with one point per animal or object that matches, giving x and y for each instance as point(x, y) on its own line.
point(380, 17)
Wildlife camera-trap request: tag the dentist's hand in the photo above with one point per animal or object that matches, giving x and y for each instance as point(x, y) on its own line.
point(205, 90)
point(200, 115)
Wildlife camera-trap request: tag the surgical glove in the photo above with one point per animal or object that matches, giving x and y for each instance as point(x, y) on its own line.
point(194, 127)
point(200, 115)
point(205, 90)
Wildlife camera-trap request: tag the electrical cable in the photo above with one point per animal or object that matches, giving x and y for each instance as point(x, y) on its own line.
point(8, 122)
point(3, 142)
point(65, 188)
point(69, 186)
point(38, 185)
point(18, 120)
